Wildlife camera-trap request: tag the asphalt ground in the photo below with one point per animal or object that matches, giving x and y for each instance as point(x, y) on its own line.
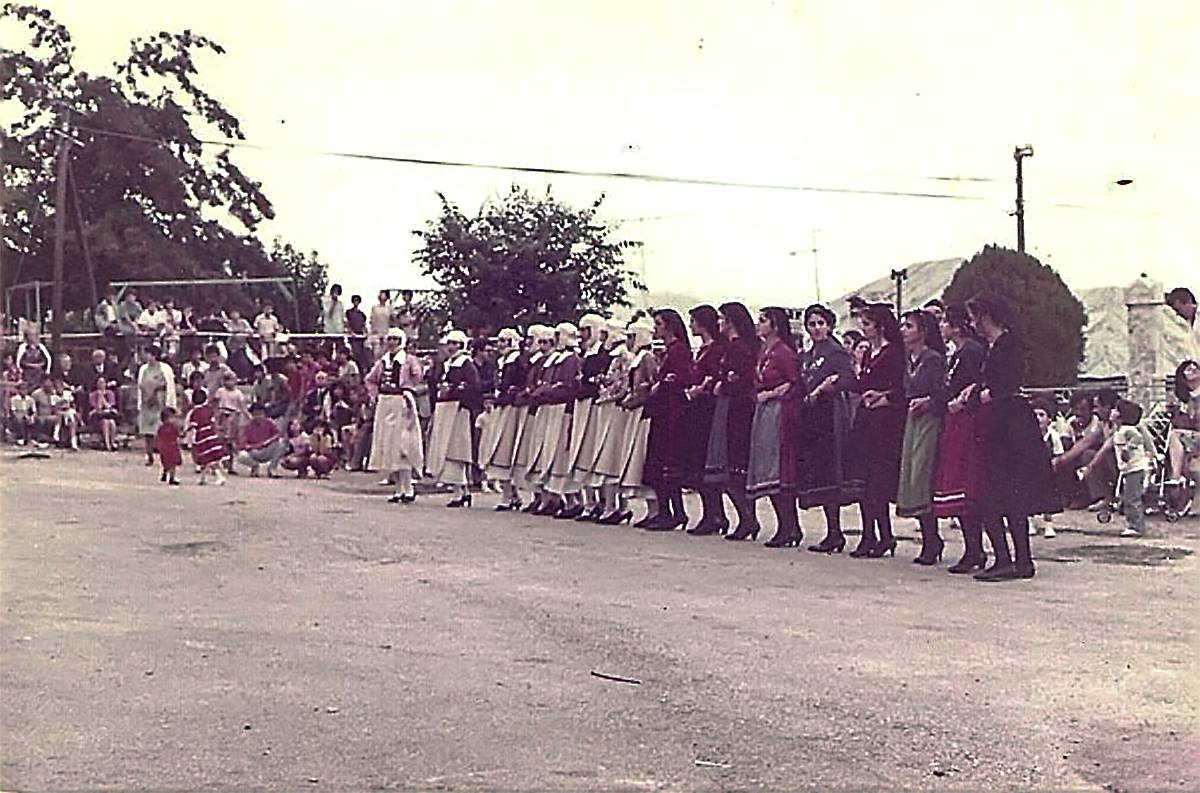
point(305, 635)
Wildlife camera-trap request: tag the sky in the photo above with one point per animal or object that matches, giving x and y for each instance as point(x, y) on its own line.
point(893, 95)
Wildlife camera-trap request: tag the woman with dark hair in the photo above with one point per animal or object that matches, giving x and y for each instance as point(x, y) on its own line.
point(823, 424)
point(666, 450)
point(1017, 479)
point(873, 469)
point(1183, 441)
point(957, 476)
point(729, 442)
point(698, 417)
point(773, 450)
point(924, 392)
point(823, 419)
point(155, 391)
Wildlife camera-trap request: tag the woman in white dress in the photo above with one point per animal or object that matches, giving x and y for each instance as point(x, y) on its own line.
point(155, 391)
point(396, 444)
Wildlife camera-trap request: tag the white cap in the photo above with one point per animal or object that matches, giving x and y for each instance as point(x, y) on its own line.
point(642, 332)
point(566, 331)
point(455, 337)
point(395, 333)
point(593, 322)
point(509, 333)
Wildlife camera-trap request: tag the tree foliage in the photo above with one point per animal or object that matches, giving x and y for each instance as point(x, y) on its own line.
point(156, 202)
point(1049, 318)
point(525, 258)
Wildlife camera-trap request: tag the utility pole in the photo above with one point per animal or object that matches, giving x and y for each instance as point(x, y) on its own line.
point(1019, 154)
point(816, 269)
point(60, 232)
point(899, 276)
point(79, 235)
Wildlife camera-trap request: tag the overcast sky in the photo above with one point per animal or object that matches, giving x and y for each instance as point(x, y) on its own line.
point(863, 95)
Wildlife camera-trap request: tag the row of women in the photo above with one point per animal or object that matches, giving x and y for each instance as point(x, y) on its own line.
point(589, 418)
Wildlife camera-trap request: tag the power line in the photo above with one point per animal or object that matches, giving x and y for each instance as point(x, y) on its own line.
point(534, 169)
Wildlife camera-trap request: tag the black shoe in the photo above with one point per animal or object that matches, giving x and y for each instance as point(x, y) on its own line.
point(462, 501)
point(163, 478)
point(1026, 570)
point(1001, 571)
point(931, 554)
point(667, 523)
point(173, 481)
point(968, 564)
point(569, 513)
point(592, 515)
point(646, 521)
point(863, 550)
point(616, 518)
point(744, 533)
point(780, 540)
point(411, 497)
point(829, 545)
point(532, 507)
point(395, 498)
point(882, 549)
point(704, 528)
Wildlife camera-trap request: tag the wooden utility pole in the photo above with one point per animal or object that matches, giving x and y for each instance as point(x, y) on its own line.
point(79, 236)
point(1019, 154)
point(60, 232)
point(900, 276)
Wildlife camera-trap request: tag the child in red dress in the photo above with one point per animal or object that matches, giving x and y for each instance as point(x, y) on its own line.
point(167, 439)
point(208, 449)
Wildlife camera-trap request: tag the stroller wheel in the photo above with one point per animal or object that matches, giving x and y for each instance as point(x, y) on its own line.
point(1171, 515)
point(1104, 516)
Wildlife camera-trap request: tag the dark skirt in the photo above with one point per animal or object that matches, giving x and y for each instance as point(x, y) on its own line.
point(666, 446)
point(873, 458)
point(957, 484)
point(1017, 477)
point(729, 441)
point(698, 424)
point(918, 459)
point(821, 439)
point(772, 468)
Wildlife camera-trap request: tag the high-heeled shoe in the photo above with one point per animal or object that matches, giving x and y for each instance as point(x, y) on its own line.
point(883, 548)
point(744, 533)
point(548, 509)
point(532, 507)
point(930, 555)
point(863, 550)
point(616, 518)
point(667, 523)
point(646, 521)
point(829, 545)
point(968, 564)
point(705, 528)
point(784, 541)
point(1000, 571)
point(462, 501)
point(509, 506)
point(569, 513)
point(592, 515)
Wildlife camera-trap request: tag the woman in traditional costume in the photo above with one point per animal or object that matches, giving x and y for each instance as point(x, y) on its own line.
point(585, 420)
point(924, 393)
point(612, 420)
point(873, 472)
point(824, 424)
point(498, 447)
point(642, 370)
point(396, 442)
point(557, 397)
point(532, 435)
point(728, 455)
point(666, 445)
point(707, 371)
point(450, 449)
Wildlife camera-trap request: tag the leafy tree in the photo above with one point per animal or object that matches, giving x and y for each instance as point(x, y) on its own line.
point(156, 202)
point(524, 258)
point(1049, 318)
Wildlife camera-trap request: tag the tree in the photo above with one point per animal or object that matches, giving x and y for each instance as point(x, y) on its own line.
point(524, 258)
point(1049, 318)
point(156, 202)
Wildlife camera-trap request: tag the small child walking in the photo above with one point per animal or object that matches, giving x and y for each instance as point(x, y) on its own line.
point(167, 440)
point(1133, 461)
point(208, 448)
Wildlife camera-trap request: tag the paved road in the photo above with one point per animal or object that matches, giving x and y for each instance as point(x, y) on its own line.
point(293, 635)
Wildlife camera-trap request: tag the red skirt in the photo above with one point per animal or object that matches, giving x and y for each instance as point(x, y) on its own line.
point(957, 479)
point(208, 446)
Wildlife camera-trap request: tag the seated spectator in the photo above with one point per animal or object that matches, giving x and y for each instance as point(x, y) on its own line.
point(10, 381)
point(43, 400)
point(299, 449)
point(194, 363)
point(346, 366)
point(103, 412)
point(105, 314)
point(324, 454)
point(271, 390)
point(33, 358)
point(152, 321)
point(1183, 441)
point(1090, 433)
point(66, 416)
point(100, 366)
point(318, 403)
point(261, 442)
point(1043, 411)
point(23, 413)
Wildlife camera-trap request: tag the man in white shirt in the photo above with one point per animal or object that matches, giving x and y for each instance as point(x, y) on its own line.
point(379, 322)
point(266, 325)
point(105, 314)
point(1183, 302)
point(333, 313)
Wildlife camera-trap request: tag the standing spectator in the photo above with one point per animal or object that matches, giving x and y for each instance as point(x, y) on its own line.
point(24, 414)
point(380, 321)
point(356, 326)
point(1183, 302)
point(217, 371)
point(105, 313)
point(333, 313)
point(156, 390)
point(239, 330)
point(103, 412)
point(267, 325)
point(128, 312)
point(32, 357)
point(66, 416)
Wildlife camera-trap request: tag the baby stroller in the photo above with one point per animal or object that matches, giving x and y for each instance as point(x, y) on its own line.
point(1157, 500)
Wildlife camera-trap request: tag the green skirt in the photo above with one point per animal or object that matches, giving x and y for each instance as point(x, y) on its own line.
point(918, 461)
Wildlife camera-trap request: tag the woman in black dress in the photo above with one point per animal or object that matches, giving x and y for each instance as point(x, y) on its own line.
point(707, 370)
point(733, 415)
point(665, 446)
point(874, 461)
point(1017, 479)
point(827, 371)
